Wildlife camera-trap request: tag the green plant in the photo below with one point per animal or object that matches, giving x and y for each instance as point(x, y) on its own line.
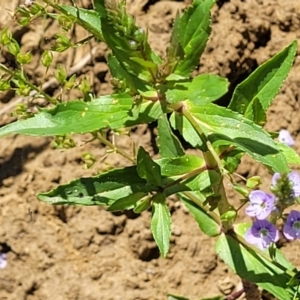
point(150, 88)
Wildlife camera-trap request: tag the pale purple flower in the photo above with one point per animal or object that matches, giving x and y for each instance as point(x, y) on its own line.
point(3, 260)
point(275, 178)
point(286, 138)
point(262, 233)
point(291, 229)
point(295, 179)
point(261, 204)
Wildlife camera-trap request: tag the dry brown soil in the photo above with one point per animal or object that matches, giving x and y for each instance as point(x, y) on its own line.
point(86, 253)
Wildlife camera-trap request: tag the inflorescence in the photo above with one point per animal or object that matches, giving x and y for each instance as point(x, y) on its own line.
point(266, 208)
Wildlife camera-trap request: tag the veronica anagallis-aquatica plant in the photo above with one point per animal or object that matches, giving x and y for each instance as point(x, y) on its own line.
point(149, 88)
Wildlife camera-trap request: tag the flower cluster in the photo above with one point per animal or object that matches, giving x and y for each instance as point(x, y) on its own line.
point(267, 208)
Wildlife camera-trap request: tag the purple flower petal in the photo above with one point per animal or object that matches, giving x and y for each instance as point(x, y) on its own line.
point(295, 179)
point(261, 204)
point(286, 138)
point(262, 233)
point(291, 229)
point(3, 260)
point(275, 177)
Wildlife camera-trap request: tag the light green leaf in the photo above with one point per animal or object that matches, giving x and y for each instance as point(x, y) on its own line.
point(142, 205)
point(145, 63)
point(179, 165)
point(205, 221)
point(193, 35)
point(161, 223)
point(118, 71)
point(127, 202)
point(203, 89)
point(175, 297)
point(291, 156)
point(147, 168)
point(81, 117)
point(219, 123)
point(204, 182)
point(103, 189)
point(168, 144)
point(253, 267)
point(174, 51)
point(264, 83)
point(88, 19)
point(231, 159)
point(256, 113)
point(186, 129)
point(109, 187)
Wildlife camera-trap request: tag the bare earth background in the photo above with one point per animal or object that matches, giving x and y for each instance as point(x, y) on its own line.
point(86, 253)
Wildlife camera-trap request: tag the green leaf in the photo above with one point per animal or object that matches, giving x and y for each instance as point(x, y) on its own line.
point(221, 124)
point(175, 297)
point(82, 117)
point(186, 129)
point(253, 182)
point(119, 71)
point(147, 168)
point(193, 34)
point(161, 223)
point(103, 189)
point(232, 159)
point(179, 165)
point(174, 51)
point(229, 216)
point(295, 280)
point(168, 144)
point(291, 156)
point(142, 205)
point(205, 221)
point(264, 83)
point(252, 266)
point(256, 113)
point(124, 186)
point(204, 182)
point(88, 19)
point(203, 89)
point(127, 202)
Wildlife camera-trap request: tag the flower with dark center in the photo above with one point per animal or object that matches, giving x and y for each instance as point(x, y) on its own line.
point(262, 233)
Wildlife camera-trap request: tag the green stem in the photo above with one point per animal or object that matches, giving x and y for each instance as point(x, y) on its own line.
point(199, 203)
point(210, 159)
point(115, 148)
point(33, 87)
point(185, 177)
point(213, 162)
